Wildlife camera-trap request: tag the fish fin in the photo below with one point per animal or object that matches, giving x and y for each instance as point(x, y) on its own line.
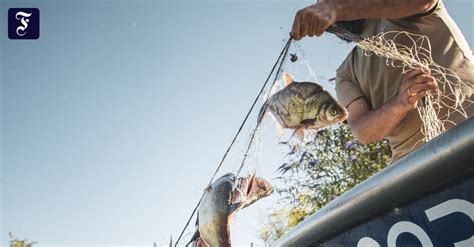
point(278, 126)
point(201, 243)
point(275, 88)
point(299, 134)
point(287, 78)
point(250, 182)
point(280, 130)
point(262, 112)
point(307, 122)
point(195, 237)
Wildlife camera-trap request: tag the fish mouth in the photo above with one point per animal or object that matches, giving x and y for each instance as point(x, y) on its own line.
point(345, 115)
point(345, 111)
point(250, 183)
point(249, 190)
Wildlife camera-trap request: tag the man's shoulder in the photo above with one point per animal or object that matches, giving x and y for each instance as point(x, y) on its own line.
point(347, 64)
point(430, 16)
point(419, 22)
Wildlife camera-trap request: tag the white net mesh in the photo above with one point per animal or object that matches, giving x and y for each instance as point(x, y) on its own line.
point(452, 92)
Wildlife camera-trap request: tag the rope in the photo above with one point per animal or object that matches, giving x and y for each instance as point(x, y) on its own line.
point(339, 31)
point(282, 53)
point(254, 131)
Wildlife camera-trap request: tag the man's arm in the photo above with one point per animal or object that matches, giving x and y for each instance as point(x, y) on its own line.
point(316, 18)
point(374, 125)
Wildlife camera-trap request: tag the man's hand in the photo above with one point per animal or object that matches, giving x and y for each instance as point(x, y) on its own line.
point(372, 125)
point(313, 20)
point(415, 84)
point(316, 18)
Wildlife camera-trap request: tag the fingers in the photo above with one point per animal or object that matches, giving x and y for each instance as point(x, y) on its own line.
point(417, 91)
point(295, 30)
point(424, 86)
point(304, 25)
point(420, 79)
point(414, 72)
point(313, 20)
point(311, 28)
point(317, 30)
point(322, 26)
point(419, 82)
point(413, 99)
point(415, 85)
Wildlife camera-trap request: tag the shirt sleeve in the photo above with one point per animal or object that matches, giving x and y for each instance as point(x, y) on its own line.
point(434, 9)
point(347, 89)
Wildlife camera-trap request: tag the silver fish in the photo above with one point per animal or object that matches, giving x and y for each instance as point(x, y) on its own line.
point(303, 105)
point(220, 203)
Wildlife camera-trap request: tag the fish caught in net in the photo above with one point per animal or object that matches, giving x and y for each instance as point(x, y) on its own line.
point(303, 105)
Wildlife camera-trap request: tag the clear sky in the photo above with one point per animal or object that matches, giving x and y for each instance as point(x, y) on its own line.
point(115, 119)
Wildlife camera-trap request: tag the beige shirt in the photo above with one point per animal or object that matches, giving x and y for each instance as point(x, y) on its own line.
point(370, 76)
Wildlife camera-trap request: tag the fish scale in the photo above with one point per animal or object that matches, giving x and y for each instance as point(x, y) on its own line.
point(219, 204)
point(303, 105)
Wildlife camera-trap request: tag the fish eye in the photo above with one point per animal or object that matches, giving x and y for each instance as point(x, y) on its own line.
point(333, 112)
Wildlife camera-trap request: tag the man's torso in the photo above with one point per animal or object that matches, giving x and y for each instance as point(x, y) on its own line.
point(378, 80)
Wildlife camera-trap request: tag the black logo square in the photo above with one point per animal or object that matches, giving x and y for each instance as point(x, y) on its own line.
point(23, 23)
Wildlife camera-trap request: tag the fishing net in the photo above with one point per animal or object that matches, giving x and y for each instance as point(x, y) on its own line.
point(300, 69)
point(453, 93)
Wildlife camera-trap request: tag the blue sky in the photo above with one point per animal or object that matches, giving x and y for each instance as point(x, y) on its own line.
point(115, 119)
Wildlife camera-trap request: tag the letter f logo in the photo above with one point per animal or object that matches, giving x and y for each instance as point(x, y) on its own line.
point(23, 23)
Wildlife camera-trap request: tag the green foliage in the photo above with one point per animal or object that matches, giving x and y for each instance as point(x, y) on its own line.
point(20, 243)
point(274, 225)
point(318, 171)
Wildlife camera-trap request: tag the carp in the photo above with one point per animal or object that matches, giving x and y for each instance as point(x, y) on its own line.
point(219, 204)
point(303, 105)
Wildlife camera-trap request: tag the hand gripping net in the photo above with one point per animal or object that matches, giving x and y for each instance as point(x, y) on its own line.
point(452, 91)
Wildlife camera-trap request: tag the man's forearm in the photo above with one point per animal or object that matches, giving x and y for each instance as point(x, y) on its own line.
point(367, 9)
point(379, 123)
point(374, 125)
